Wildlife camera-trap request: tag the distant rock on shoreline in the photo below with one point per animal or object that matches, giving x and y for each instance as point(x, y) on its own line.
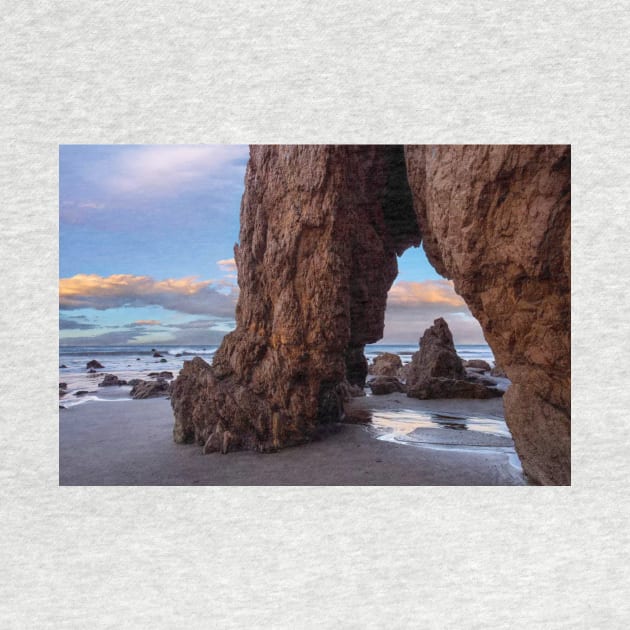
point(437, 371)
point(385, 364)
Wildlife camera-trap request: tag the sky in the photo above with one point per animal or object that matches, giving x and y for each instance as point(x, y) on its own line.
point(146, 238)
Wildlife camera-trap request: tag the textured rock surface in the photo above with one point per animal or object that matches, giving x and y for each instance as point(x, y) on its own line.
point(451, 388)
point(150, 389)
point(111, 380)
point(320, 227)
point(477, 363)
point(496, 219)
point(437, 357)
point(385, 364)
point(386, 385)
point(437, 372)
point(320, 230)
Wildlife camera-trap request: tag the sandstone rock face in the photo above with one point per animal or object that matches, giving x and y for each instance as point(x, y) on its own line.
point(150, 389)
point(437, 372)
point(451, 388)
point(385, 364)
point(386, 385)
point(496, 219)
point(320, 230)
point(437, 357)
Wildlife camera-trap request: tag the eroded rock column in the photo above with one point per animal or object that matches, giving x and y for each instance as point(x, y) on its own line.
point(496, 219)
point(320, 229)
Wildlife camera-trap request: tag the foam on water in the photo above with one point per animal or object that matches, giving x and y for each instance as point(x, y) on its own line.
point(465, 351)
point(129, 362)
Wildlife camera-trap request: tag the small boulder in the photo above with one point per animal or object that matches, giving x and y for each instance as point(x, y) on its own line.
point(385, 364)
point(134, 381)
point(156, 355)
point(110, 380)
point(478, 364)
point(385, 385)
point(150, 389)
point(63, 366)
point(63, 385)
point(81, 392)
point(165, 374)
point(93, 364)
point(92, 371)
point(138, 359)
point(162, 361)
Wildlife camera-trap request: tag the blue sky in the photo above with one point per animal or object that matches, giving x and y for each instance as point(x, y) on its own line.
point(146, 237)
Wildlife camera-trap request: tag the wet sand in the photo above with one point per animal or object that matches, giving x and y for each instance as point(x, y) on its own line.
point(129, 442)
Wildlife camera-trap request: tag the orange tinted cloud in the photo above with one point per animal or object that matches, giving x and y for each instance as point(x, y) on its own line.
point(227, 264)
point(147, 322)
point(188, 295)
point(429, 292)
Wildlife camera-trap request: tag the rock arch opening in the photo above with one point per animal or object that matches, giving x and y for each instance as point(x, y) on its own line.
point(321, 227)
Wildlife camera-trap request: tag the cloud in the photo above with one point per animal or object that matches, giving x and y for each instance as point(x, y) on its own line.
point(429, 292)
point(73, 323)
point(186, 295)
point(407, 326)
point(183, 334)
point(155, 170)
point(413, 306)
point(147, 322)
point(90, 205)
point(227, 265)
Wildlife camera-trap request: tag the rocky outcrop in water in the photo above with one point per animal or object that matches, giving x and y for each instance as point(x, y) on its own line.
point(90, 365)
point(386, 385)
point(320, 230)
point(150, 389)
point(385, 364)
point(478, 364)
point(436, 371)
point(110, 380)
point(437, 357)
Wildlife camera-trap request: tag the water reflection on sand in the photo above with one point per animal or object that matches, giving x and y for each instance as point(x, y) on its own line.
point(426, 428)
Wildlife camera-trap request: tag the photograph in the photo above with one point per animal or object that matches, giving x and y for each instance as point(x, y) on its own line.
point(317, 314)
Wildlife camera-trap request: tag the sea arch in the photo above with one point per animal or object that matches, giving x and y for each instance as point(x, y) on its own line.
point(321, 226)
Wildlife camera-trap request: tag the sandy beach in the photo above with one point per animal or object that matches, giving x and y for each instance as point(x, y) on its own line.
point(129, 442)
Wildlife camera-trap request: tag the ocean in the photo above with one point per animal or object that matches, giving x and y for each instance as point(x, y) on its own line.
point(128, 362)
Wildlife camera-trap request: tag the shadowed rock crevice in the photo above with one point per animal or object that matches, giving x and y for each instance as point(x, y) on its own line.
point(320, 230)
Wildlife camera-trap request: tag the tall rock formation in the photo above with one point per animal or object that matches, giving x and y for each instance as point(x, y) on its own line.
point(436, 371)
point(320, 230)
point(497, 220)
